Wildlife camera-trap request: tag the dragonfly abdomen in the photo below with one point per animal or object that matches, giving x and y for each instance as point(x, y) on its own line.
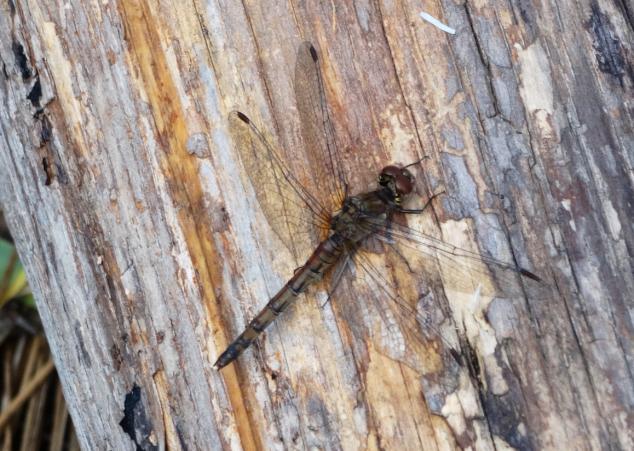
point(326, 255)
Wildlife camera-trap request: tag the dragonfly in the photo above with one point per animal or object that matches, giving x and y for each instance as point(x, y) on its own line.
point(350, 230)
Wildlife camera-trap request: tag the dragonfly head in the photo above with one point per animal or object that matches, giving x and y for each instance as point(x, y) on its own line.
point(398, 180)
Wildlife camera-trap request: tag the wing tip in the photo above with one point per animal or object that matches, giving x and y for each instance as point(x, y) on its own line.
point(243, 117)
point(313, 52)
point(530, 275)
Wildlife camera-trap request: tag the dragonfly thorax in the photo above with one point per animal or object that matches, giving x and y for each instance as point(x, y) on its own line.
point(360, 216)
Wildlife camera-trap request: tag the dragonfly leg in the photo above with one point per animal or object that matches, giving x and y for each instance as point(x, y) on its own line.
point(299, 268)
point(420, 210)
point(325, 303)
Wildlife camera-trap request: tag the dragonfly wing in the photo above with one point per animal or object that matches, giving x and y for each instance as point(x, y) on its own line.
point(405, 324)
point(413, 292)
point(317, 130)
point(296, 216)
point(460, 270)
point(299, 216)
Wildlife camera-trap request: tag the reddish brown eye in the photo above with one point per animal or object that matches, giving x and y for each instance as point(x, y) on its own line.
point(391, 171)
point(403, 180)
point(403, 184)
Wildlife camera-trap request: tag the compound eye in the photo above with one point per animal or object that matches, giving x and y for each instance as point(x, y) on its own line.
point(404, 184)
point(391, 171)
point(408, 174)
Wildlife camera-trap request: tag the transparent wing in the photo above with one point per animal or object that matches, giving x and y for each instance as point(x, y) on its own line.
point(410, 290)
point(294, 214)
point(399, 315)
point(299, 216)
point(317, 129)
point(461, 270)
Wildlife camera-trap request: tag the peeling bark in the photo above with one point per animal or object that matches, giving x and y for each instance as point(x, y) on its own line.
point(127, 202)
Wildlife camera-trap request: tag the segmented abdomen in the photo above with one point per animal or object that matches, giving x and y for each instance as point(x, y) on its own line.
point(326, 254)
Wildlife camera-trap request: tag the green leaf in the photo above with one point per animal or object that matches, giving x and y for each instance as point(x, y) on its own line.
point(13, 281)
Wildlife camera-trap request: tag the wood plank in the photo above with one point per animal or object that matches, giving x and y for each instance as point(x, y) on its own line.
point(147, 251)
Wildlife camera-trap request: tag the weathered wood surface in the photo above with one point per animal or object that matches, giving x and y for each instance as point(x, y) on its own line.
point(125, 196)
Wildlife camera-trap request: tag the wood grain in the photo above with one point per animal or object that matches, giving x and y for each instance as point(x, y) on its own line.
point(133, 218)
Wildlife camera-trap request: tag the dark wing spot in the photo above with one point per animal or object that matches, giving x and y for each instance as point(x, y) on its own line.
point(243, 117)
point(530, 275)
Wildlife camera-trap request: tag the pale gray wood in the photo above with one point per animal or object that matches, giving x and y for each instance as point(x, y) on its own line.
point(147, 253)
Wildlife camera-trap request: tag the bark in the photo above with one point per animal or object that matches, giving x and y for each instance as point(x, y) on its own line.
point(134, 220)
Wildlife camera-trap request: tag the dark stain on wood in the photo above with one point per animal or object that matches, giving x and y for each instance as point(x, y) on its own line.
point(45, 133)
point(46, 166)
point(49, 157)
point(117, 359)
point(504, 418)
point(47, 129)
point(319, 425)
point(136, 422)
point(608, 47)
point(21, 60)
point(36, 93)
